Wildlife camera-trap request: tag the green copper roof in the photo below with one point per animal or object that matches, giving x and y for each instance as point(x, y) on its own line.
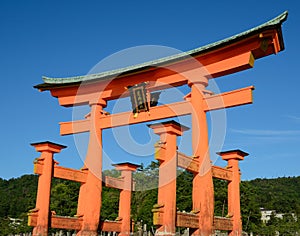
point(57, 82)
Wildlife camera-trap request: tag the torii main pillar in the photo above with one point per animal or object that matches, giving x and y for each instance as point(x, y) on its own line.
point(90, 198)
point(203, 190)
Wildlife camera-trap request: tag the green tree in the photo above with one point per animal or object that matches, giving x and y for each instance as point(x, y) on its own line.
point(184, 190)
point(110, 198)
point(4, 226)
point(17, 195)
point(250, 210)
point(145, 196)
point(64, 196)
point(220, 194)
point(110, 203)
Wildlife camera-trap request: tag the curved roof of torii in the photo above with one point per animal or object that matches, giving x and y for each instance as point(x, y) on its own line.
point(275, 23)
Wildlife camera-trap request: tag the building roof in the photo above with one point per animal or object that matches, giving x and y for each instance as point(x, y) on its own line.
point(106, 75)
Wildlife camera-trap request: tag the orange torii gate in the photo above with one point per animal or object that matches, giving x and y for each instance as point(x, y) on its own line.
point(193, 68)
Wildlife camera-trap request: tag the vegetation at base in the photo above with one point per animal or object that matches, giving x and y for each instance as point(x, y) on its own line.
point(17, 197)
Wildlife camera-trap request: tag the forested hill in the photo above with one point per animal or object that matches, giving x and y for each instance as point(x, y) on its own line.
point(281, 194)
point(17, 196)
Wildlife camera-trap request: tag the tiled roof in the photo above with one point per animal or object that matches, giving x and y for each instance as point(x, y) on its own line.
point(57, 82)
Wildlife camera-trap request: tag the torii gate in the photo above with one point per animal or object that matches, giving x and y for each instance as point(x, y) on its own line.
point(218, 59)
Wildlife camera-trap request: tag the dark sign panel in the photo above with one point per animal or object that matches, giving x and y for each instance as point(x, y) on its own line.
point(154, 99)
point(141, 99)
point(138, 96)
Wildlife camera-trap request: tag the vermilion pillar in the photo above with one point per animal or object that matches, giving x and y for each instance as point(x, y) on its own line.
point(168, 132)
point(203, 191)
point(89, 201)
point(234, 211)
point(47, 150)
point(125, 196)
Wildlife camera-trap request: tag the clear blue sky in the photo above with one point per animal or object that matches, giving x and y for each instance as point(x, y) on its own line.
point(67, 38)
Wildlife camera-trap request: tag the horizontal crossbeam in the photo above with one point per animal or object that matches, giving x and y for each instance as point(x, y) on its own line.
point(189, 163)
point(62, 172)
point(160, 78)
point(229, 99)
point(73, 223)
point(225, 100)
point(127, 118)
point(191, 220)
point(74, 127)
point(110, 226)
point(221, 173)
point(222, 223)
point(187, 220)
point(62, 222)
point(58, 222)
point(112, 182)
point(77, 175)
point(231, 65)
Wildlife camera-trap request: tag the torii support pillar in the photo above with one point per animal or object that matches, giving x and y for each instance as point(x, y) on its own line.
point(47, 150)
point(167, 156)
point(125, 196)
point(234, 210)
